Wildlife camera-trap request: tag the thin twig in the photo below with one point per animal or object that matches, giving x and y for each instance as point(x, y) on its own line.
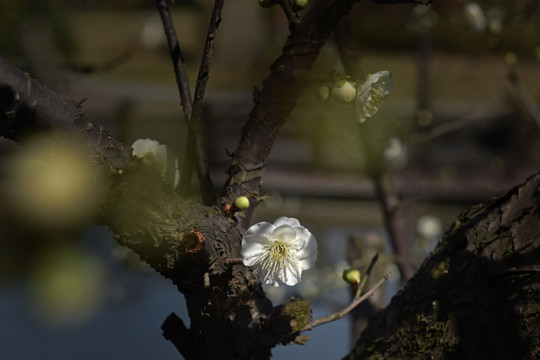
point(176, 55)
point(391, 214)
point(341, 313)
point(521, 93)
point(205, 182)
point(234, 261)
point(192, 108)
point(448, 127)
point(183, 88)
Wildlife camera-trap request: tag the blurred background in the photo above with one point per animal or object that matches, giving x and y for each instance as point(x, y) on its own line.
point(460, 127)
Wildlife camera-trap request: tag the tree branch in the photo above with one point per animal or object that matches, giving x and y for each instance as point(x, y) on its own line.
point(207, 187)
point(176, 55)
point(476, 295)
point(341, 313)
point(28, 106)
point(276, 100)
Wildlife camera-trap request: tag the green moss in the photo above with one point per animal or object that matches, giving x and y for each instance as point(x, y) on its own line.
point(441, 269)
point(416, 339)
point(299, 312)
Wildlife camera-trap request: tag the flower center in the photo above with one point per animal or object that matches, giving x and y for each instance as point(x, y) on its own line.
point(279, 249)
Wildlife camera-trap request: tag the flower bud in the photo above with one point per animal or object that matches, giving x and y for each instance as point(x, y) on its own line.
point(323, 92)
point(352, 276)
point(241, 202)
point(344, 91)
point(299, 4)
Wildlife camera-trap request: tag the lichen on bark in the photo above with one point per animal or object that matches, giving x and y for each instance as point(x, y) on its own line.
point(476, 296)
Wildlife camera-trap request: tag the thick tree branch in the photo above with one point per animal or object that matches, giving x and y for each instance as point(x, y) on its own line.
point(277, 98)
point(29, 106)
point(185, 241)
point(476, 295)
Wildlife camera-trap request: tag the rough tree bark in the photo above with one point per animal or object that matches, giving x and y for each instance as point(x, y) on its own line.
point(477, 296)
point(187, 242)
point(191, 244)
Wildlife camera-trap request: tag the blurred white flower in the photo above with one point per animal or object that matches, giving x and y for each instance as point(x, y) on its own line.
point(429, 227)
point(157, 156)
point(372, 94)
point(396, 153)
point(475, 16)
point(279, 252)
point(344, 91)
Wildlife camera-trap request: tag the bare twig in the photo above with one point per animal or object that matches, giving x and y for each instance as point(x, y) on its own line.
point(390, 207)
point(192, 108)
point(520, 92)
point(448, 127)
point(176, 55)
point(341, 313)
point(234, 261)
point(207, 188)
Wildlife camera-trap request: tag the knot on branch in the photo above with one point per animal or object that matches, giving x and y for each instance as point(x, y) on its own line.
point(288, 320)
point(193, 241)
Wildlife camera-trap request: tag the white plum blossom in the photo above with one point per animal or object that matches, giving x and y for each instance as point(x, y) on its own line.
point(279, 252)
point(371, 94)
point(475, 16)
point(157, 156)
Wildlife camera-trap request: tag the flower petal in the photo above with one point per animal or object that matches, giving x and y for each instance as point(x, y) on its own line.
point(290, 275)
point(253, 247)
point(260, 228)
point(307, 255)
point(286, 221)
point(283, 233)
point(372, 94)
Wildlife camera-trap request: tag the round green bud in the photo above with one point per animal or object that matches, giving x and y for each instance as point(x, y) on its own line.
point(510, 58)
point(344, 91)
point(241, 202)
point(352, 276)
point(323, 92)
point(267, 3)
point(299, 4)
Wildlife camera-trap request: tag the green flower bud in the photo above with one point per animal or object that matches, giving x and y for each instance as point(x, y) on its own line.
point(241, 202)
point(323, 92)
point(352, 276)
point(299, 4)
point(344, 91)
point(267, 3)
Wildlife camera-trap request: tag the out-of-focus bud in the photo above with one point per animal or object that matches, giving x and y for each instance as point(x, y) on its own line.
point(352, 276)
point(298, 5)
point(323, 92)
point(344, 91)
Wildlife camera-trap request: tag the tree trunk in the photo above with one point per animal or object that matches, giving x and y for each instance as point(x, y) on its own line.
point(477, 296)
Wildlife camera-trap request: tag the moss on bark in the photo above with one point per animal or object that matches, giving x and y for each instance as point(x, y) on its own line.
point(476, 296)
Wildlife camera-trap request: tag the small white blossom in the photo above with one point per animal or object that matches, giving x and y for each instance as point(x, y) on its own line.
point(279, 252)
point(372, 94)
point(396, 153)
point(475, 16)
point(344, 91)
point(158, 157)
